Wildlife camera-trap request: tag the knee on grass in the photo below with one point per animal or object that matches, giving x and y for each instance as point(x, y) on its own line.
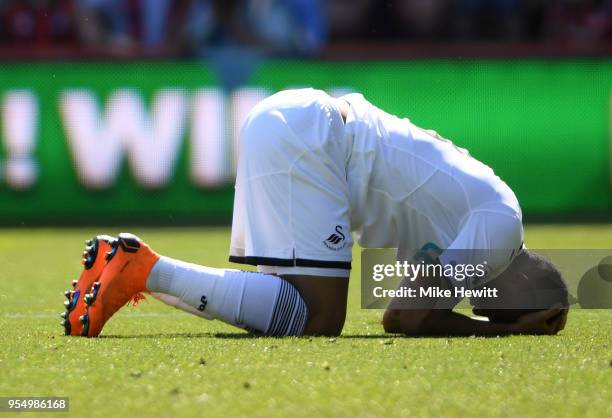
point(324, 324)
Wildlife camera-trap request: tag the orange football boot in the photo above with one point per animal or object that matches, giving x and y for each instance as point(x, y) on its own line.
point(129, 263)
point(94, 261)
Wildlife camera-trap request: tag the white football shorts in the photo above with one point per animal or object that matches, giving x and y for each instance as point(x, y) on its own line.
point(291, 205)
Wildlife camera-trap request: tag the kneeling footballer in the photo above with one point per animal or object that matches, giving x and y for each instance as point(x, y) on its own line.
point(313, 172)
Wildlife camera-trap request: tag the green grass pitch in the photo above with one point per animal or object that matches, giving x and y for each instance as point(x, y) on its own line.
point(156, 361)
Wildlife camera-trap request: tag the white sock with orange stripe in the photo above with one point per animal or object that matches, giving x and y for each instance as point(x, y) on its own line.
point(256, 301)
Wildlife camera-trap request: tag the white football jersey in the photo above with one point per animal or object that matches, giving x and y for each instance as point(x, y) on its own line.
point(408, 188)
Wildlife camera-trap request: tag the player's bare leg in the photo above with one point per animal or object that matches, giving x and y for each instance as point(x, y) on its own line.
point(325, 298)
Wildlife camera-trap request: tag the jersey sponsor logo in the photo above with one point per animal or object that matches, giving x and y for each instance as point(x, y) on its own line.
point(337, 240)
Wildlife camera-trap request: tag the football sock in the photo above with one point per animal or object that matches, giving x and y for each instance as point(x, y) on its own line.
point(177, 303)
point(254, 301)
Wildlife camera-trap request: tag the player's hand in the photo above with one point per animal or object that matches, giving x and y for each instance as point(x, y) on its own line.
point(548, 322)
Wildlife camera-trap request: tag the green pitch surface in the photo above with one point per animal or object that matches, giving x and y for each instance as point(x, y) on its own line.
point(156, 361)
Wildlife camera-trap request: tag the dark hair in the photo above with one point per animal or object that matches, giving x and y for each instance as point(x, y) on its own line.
point(530, 283)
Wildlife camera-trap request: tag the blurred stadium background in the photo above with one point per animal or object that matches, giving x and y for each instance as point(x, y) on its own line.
point(128, 111)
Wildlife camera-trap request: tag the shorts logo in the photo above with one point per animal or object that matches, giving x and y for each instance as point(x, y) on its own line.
point(335, 241)
point(202, 306)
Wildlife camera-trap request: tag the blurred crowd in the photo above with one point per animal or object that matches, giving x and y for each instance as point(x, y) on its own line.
point(293, 27)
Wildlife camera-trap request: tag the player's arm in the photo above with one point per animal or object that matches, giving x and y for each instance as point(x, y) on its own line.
point(446, 322)
point(424, 316)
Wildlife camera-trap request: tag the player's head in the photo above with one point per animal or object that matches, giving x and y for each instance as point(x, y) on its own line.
point(529, 284)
